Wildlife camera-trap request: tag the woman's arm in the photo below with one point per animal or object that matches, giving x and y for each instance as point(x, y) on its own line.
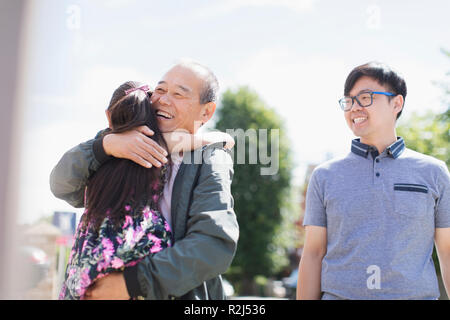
point(183, 141)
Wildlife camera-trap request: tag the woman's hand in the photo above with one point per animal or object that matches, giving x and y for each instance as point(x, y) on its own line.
point(136, 146)
point(178, 141)
point(217, 136)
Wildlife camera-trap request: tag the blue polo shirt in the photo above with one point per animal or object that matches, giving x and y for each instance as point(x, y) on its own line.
point(380, 211)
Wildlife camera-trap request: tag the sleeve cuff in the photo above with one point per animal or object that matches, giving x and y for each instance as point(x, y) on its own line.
point(131, 279)
point(99, 152)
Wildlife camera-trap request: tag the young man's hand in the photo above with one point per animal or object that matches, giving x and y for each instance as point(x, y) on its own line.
point(136, 146)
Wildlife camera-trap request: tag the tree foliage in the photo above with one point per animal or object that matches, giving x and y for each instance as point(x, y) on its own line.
point(430, 133)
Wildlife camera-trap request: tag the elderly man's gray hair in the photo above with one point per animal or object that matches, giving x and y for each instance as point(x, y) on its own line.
point(210, 83)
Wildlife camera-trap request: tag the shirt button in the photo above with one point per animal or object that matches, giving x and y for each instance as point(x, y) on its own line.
point(377, 174)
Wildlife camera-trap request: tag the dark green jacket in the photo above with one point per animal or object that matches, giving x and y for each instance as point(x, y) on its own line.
point(203, 222)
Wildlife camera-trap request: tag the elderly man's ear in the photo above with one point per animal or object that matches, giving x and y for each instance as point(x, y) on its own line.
point(108, 116)
point(207, 112)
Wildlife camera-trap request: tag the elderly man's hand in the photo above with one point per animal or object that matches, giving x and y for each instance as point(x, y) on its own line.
point(110, 287)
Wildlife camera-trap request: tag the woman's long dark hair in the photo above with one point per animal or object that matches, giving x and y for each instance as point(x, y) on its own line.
point(122, 187)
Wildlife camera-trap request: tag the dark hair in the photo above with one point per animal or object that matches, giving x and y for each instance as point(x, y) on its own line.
point(381, 73)
point(121, 187)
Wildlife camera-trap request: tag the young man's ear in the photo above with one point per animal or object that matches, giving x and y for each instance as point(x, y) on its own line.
point(398, 102)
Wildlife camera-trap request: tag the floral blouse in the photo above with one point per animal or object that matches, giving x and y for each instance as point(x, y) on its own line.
point(96, 254)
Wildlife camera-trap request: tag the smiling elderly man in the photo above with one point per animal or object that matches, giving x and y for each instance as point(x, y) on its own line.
point(197, 200)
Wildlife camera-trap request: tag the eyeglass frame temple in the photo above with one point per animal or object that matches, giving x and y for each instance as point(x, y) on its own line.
point(389, 94)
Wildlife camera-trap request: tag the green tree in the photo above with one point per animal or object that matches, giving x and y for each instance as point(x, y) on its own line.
point(428, 134)
point(259, 199)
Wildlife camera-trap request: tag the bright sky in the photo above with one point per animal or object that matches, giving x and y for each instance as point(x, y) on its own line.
point(295, 54)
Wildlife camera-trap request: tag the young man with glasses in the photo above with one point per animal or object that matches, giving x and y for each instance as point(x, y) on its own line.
point(373, 216)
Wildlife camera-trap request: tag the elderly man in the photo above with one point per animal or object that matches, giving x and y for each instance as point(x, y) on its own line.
point(197, 201)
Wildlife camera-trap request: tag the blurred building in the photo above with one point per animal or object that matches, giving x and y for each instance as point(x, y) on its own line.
point(44, 236)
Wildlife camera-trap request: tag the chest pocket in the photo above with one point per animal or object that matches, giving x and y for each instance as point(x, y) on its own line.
point(411, 200)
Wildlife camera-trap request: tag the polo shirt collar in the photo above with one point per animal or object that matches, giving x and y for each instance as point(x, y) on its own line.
point(363, 150)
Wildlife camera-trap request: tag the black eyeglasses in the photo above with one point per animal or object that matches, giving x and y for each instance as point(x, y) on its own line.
point(364, 99)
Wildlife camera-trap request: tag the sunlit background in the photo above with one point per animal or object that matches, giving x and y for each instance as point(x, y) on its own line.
point(294, 54)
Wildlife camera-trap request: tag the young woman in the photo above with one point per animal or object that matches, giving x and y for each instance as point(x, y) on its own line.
point(122, 223)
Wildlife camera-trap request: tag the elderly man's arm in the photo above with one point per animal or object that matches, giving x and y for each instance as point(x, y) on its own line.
point(69, 177)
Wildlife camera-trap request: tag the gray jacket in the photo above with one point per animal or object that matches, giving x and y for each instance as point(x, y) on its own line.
point(204, 224)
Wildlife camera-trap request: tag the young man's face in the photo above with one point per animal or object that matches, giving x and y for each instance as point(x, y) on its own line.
point(176, 100)
point(377, 120)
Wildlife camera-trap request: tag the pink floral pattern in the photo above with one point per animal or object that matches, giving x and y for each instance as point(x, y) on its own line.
point(96, 254)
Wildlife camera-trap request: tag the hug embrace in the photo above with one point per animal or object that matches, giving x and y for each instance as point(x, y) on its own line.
point(158, 226)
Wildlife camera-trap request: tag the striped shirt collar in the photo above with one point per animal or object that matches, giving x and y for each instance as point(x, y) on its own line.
point(363, 150)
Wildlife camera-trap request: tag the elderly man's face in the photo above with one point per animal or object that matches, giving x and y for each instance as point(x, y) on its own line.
point(176, 100)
